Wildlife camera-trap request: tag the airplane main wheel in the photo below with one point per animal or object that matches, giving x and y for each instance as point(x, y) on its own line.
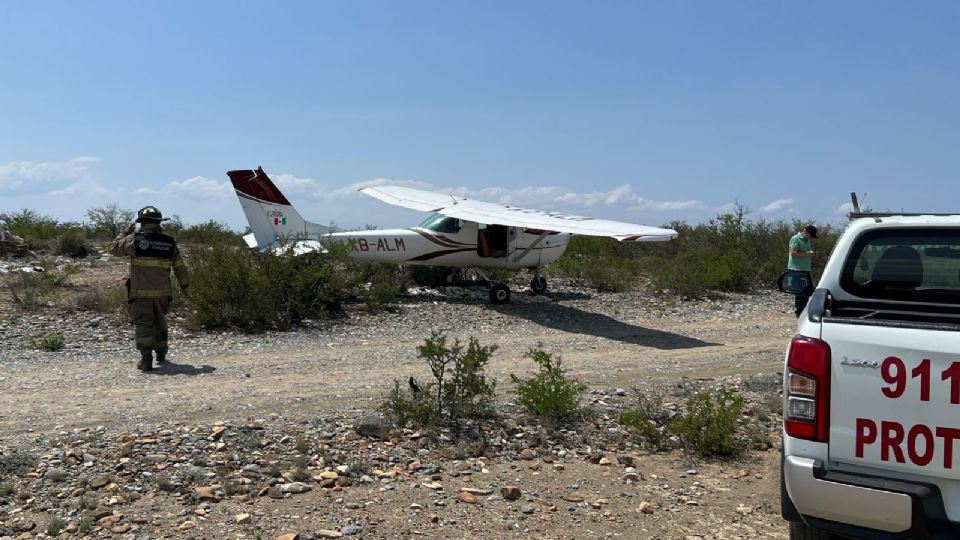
point(538, 284)
point(499, 293)
point(448, 277)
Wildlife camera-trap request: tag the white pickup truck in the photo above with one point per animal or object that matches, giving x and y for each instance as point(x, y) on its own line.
point(871, 431)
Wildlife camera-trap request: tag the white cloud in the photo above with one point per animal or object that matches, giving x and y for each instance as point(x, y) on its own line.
point(289, 182)
point(778, 205)
point(19, 173)
point(676, 205)
point(197, 186)
point(85, 187)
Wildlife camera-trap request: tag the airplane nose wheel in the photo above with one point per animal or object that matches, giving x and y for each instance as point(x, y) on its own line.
point(499, 293)
point(538, 284)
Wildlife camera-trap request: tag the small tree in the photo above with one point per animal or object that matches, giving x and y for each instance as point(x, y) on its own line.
point(462, 388)
point(109, 220)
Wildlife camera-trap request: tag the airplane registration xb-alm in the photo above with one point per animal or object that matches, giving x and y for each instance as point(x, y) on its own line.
point(459, 235)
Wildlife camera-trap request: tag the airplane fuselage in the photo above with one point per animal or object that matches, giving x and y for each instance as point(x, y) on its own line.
point(469, 246)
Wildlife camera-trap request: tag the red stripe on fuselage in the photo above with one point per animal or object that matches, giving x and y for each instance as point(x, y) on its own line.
point(442, 240)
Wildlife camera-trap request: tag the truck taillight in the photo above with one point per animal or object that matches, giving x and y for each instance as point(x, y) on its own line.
point(807, 390)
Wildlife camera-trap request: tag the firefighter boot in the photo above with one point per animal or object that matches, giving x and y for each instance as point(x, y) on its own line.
point(146, 360)
point(161, 356)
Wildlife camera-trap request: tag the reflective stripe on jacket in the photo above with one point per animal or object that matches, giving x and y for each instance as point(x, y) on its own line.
point(152, 256)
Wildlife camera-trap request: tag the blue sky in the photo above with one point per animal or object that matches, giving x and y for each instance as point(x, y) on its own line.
point(638, 111)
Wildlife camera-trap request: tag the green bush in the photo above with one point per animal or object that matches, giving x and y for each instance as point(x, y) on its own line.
point(52, 342)
point(551, 394)
point(710, 423)
point(648, 417)
point(33, 227)
point(17, 465)
point(32, 290)
point(253, 292)
point(72, 242)
point(55, 526)
point(406, 407)
point(208, 232)
point(460, 391)
point(428, 276)
point(102, 301)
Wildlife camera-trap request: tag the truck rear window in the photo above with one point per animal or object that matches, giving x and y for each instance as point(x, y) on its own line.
point(913, 265)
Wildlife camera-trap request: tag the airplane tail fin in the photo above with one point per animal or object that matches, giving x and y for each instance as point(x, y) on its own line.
point(271, 216)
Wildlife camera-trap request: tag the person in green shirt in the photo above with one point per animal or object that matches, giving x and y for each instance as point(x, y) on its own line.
point(799, 259)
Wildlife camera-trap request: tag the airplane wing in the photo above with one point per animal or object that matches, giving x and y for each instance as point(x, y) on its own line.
point(515, 216)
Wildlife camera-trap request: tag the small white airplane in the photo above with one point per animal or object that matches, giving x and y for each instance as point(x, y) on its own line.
point(459, 235)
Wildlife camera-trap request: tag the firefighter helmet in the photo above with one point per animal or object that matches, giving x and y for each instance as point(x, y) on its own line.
point(150, 214)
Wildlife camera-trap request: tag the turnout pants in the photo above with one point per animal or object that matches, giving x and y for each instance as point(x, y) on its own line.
point(149, 316)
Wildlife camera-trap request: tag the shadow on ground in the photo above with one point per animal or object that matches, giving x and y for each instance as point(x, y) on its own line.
point(571, 319)
point(169, 368)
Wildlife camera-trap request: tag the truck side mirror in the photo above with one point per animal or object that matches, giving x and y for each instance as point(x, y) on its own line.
point(795, 282)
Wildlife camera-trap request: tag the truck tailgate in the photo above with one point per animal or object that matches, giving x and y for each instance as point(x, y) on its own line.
point(895, 398)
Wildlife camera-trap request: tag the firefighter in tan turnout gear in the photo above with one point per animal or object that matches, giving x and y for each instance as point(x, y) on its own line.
point(149, 292)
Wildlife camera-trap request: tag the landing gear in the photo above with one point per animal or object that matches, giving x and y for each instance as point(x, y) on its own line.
point(450, 277)
point(499, 293)
point(538, 284)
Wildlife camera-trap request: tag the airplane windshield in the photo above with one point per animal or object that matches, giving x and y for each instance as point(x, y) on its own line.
point(442, 223)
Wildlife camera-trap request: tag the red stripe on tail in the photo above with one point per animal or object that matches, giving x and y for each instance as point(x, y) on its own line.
point(258, 185)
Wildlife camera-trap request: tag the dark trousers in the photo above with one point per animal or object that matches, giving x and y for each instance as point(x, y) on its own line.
point(149, 317)
point(800, 300)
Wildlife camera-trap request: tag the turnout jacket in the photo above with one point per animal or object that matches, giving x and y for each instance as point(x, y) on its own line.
point(152, 256)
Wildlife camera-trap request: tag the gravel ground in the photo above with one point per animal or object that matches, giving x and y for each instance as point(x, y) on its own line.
point(257, 436)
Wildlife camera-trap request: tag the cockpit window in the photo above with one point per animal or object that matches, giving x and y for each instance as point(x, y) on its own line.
point(442, 224)
point(919, 265)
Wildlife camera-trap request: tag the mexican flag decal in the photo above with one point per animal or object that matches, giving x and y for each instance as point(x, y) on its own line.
point(279, 221)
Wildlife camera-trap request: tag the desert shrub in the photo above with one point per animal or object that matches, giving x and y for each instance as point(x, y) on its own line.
point(109, 220)
point(462, 389)
point(32, 290)
point(55, 526)
point(253, 291)
point(102, 300)
point(376, 284)
point(709, 426)
point(209, 232)
point(648, 417)
point(86, 503)
point(405, 406)
point(52, 341)
point(551, 393)
point(459, 393)
point(601, 263)
point(164, 483)
point(301, 445)
point(33, 227)
point(428, 276)
point(72, 242)
point(86, 523)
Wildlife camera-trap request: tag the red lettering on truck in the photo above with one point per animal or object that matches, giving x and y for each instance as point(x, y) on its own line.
point(920, 441)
